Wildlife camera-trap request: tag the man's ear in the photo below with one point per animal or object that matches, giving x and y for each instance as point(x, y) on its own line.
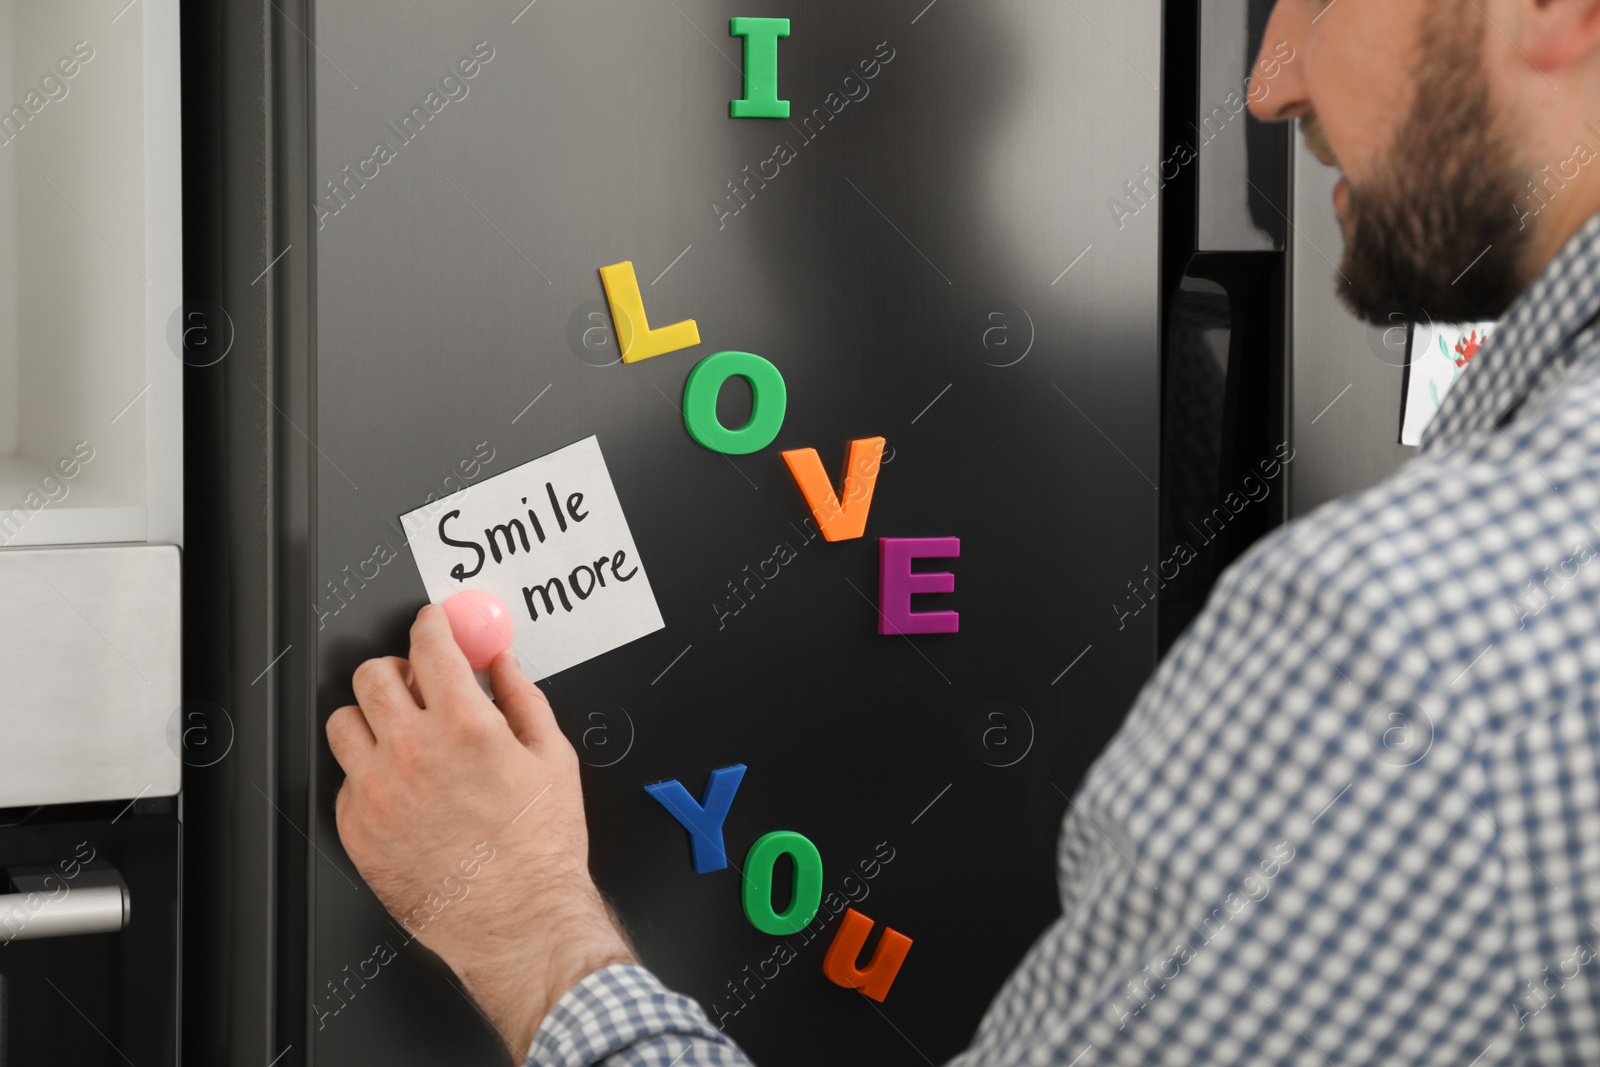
point(1551, 34)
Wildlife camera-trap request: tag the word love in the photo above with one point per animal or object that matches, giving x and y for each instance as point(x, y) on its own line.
point(841, 514)
point(704, 819)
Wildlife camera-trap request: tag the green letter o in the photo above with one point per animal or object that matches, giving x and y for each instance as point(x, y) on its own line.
point(807, 895)
point(771, 400)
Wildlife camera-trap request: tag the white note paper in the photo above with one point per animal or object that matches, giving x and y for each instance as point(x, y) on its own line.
point(550, 540)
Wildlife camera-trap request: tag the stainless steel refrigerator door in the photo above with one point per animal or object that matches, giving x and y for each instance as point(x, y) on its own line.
point(930, 250)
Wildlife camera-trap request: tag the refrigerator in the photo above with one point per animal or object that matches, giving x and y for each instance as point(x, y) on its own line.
point(899, 249)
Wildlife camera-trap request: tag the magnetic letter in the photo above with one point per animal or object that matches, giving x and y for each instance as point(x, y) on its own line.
point(897, 583)
point(703, 820)
point(757, 888)
point(839, 522)
point(771, 400)
point(840, 963)
point(635, 338)
point(760, 68)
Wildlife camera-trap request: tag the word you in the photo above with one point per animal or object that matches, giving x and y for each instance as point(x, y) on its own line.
point(704, 819)
point(51, 490)
point(1542, 191)
point(17, 919)
point(1255, 490)
point(854, 890)
point(383, 553)
point(1142, 192)
point(1253, 889)
point(52, 87)
point(852, 89)
point(451, 88)
point(1566, 572)
point(451, 889)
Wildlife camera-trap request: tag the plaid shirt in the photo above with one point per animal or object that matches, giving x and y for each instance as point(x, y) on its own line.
point(1355, 815)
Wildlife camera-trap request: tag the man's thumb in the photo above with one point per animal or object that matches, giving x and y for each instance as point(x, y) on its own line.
point(526, 710)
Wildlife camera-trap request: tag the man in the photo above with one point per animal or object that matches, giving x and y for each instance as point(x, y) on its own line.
point(1355, 815)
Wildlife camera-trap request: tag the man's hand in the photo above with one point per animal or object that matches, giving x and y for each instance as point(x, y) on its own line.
point(437, 779)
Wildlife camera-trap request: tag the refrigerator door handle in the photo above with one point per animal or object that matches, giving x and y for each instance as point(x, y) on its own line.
point(52, 905)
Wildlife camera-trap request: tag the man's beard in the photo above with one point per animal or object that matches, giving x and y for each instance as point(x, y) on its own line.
point(1416, 234)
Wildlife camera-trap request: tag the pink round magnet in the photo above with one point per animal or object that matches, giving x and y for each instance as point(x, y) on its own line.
point(482, 625)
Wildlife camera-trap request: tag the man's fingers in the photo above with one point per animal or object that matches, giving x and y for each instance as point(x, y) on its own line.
point(383, 690)
point(350, 738)
point(526, 710)
point(440, 666)
point(410, 677)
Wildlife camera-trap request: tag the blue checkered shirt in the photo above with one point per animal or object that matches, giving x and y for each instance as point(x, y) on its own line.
point(1355, 815)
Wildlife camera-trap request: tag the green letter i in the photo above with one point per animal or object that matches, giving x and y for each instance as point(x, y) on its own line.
point(760, 99)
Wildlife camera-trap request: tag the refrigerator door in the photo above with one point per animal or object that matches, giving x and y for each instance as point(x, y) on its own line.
point(1240, 168)
point(1223, 365)
point(928, 250)
point(89, 934)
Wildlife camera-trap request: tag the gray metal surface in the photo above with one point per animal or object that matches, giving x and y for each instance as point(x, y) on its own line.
point(1240, 201)
point(939, 263)
point(248, 479)
point(89, 650)
point(46, 905)
point(1345, 385)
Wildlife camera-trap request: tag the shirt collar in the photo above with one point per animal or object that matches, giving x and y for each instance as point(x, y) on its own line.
point(1537, 328)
